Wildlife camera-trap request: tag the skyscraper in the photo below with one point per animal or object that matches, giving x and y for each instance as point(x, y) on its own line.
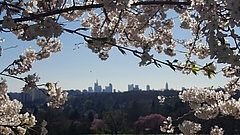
point(166, 86)
point(108, 88)
point(148, 87)
point(130, 87)
point(97, 88)
point(90, 89)
point(136, 88)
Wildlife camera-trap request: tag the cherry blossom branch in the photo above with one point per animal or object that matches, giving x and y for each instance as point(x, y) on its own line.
point(92, 6)
point(184, 115)
point(135, 52)
point(116, 25)
point(194, 42)
point(54, 12)
point(192, 66)
point(7, 4)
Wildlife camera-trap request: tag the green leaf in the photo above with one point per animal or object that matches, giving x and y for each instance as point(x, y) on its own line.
point(210, 73)
point(186, 66)
point(49, 85)
point(195, 70)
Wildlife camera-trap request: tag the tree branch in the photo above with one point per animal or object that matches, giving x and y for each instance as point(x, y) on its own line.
point(54, 12)
point(59, 11)
point(15, 77)
point(135, 52)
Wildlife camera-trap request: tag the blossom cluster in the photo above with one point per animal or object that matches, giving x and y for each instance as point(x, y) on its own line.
point(208, 103)
point(11, 121)
point(31, 81)
point(57, 97)
point(167, 126)
point(189, 127)
point(161, 99)
point(25, 61)
point(216, 131)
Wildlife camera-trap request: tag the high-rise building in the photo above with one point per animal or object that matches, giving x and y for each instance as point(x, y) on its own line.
point(38, 94)
point(148, 87)
point(97, 88)
point(109, 88)
point(166, 86)
point(90, 89)
point(130, 87)
point(136, 87)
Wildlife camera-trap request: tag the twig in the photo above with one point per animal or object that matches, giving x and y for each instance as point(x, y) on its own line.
point(15, 77)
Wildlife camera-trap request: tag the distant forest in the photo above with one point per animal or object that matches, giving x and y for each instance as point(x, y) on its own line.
point(115, 113)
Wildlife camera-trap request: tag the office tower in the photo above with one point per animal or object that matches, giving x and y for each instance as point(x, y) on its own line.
point(109, 88)
point(90, 89)
point(97, 88)
point(136, 87)
point(166, 86)
point(148, 87)
point(130, 87)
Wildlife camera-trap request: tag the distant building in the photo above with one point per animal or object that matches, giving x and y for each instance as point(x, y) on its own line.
point(109, 88)
point(148, 88)
point(90, 89)
point(136, 88)
point(166, 86)
point(13, 95)
point(97, 88)
point(38, 94)
point(131, 87)
point(23, 97)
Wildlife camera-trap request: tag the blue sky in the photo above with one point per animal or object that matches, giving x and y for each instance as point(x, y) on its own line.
point(79, 69)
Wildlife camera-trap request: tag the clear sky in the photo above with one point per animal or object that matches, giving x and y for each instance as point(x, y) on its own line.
point(79, 69)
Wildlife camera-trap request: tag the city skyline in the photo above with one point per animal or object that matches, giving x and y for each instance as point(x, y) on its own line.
point(97, 87)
